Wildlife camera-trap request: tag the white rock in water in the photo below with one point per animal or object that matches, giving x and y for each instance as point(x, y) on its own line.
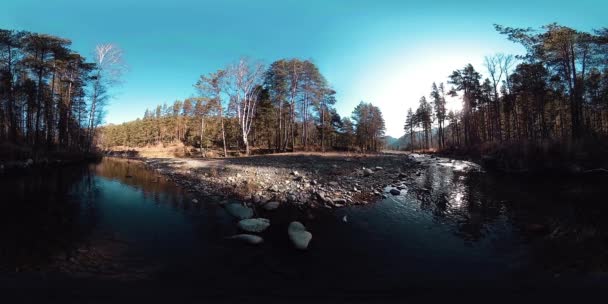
point(254, 225)
point(247, 238)
point(239, 211)
point(271, 205)
point(194, 200)
point(298, 235)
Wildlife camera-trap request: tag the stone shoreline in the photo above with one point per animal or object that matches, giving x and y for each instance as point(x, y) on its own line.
point(304, 180)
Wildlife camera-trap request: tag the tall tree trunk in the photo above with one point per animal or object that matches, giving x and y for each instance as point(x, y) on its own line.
point(322, 128)
point(223, 132)
point(202, 130)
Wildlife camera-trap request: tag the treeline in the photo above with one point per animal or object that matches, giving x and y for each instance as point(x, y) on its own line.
point(556, 93)
point(285, 107)
point(51, 97)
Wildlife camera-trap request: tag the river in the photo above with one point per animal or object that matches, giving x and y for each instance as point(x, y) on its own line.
point(116, 223)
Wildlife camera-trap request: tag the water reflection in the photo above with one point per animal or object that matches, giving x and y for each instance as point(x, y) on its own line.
point(452, 193)
point(51, 215)
point(551, 214)
point(452, 223)
point(38, 217)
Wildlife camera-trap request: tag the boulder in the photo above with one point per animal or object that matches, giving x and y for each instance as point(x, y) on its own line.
point(395, 191)
point(254, 224)
point(298, 235)
point(367, 172)
point(247, 238)
point(339, 201)
point(239, 211)
point(271, 205)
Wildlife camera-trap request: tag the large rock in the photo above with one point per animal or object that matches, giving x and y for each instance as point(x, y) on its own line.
point(367, 172)
point(298, 235)
point(395, 191)
point(271, 205)
point(247, 238)
point(239, 211)
point(254, 225)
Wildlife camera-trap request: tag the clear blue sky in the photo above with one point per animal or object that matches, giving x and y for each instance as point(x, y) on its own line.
point(386, 52)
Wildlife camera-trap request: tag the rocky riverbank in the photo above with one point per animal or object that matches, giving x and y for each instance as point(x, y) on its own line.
point(250, 187)
point(306, 180)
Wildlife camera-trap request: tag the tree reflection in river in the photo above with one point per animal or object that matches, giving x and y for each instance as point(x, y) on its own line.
point(39, 218)
point(561, 218)
point(451, 226)
point(457, 197)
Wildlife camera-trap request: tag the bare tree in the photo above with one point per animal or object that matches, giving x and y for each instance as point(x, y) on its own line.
point(243, 83)
point(109, 70)
point(494, 65)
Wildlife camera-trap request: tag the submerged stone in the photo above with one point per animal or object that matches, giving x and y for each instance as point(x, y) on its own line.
point(298, 235)
point(247, 238)
point(239, 211)
point(271, 205)
point(254, 225)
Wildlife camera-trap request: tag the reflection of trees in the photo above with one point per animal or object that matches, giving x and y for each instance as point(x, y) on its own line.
point(564, 217)
point(136, 175)
point(461, 199)
point(39, 217)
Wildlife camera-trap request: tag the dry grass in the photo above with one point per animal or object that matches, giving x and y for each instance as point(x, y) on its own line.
point(156, 151)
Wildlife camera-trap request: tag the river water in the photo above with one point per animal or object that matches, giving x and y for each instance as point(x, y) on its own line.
point(116, 223)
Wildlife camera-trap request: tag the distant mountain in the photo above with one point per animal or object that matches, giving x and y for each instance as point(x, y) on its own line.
point(400, 143)
point(403, 142)
point(390, 140)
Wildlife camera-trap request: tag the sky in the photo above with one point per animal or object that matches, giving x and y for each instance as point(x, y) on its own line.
point(385, 52)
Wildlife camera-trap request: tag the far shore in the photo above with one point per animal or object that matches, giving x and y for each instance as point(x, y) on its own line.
point(306, 179)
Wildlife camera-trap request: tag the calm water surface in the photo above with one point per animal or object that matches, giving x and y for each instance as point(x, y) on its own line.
point(106, 222)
